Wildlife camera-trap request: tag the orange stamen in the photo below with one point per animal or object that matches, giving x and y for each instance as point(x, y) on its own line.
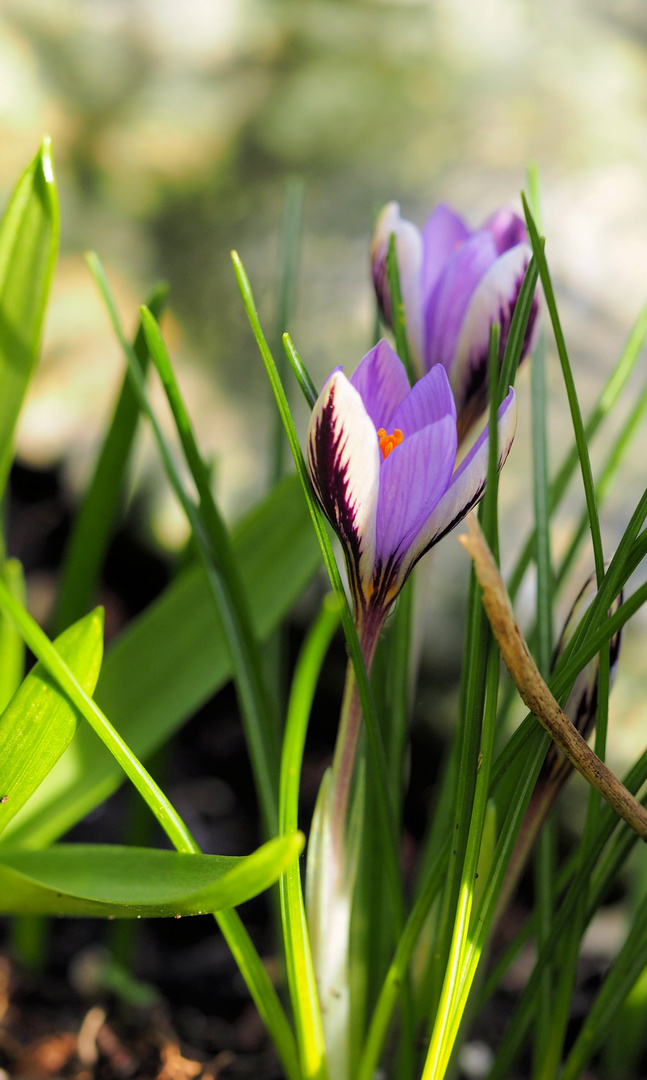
point(389, 442)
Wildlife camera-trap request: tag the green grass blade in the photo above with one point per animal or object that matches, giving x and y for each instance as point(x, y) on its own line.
point(92, 528)
point(626, 969)
point(607, 475)
point(12, 649)
point(104, 880)
point(29, 234)
point(605, 403)
point(54, 666)
point(301, 979)
point(260, 725)
point(398, 321)
point(170, 660)
point(518, 327)
point(576, 415)
point(301, 373)
point(375, 742)
point(470, 813)
point(242, 948)
point(265, 772)
point(544, 855)
point(288, 271)
point(39, 722)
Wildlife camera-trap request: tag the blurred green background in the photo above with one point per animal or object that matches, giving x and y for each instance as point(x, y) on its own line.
point(176, 124)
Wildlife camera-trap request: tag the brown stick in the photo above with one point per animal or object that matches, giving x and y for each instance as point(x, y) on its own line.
point(533, 689)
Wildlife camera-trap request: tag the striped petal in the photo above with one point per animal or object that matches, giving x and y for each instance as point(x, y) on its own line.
point(430, 399)
point(467, 484)
point(408, 246)
point(493, 300)
point(451, 298)
point(412, 480)
point(344, 466)
point(382, 383)
point(443, 233)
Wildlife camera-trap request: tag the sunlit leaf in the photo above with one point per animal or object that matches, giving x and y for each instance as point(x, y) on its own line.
point(128, 882)
point(39, 721)
point(173, 658)
point(28, 249)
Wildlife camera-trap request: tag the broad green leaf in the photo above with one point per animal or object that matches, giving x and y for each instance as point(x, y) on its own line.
point(173, 658)
point(128, 882)
point(39, 721)
point(28, 249)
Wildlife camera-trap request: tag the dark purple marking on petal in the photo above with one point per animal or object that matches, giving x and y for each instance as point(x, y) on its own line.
point(472, 395)
point(330, 480)
point(507, 229)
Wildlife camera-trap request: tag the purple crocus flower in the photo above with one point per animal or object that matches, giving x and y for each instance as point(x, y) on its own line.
point(382, 459)
point(455, 284)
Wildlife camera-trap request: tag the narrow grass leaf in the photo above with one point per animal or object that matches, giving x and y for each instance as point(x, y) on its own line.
point(29, 234)
point(301, 980)
point(397, 310)
point(576, 415)
point(260, 725)
point(368, 708)
point(12, 648)
point(243, 950)
point(605, 403)
point(285, 299)
point(301, 373)
point(94, 522)
point(171, 659)
point(259, 745)
point(39, 722)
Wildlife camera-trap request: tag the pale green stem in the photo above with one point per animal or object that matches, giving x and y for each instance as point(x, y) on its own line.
point(332, 870)
point(350, 725)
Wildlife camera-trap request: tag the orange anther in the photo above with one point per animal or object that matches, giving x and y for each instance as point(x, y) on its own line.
point(389, 442)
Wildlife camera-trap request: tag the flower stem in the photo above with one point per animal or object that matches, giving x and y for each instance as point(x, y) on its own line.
point(350, 724)
point(332, 867)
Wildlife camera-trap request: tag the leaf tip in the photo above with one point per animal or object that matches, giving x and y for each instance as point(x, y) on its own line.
point(46, 159)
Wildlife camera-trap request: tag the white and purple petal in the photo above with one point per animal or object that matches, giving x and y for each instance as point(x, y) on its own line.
point(382, 383)
point(408, 247)
point(467, 484)
point(344, 466)
point(493, 300)
point(451, 296)
point(430, 399)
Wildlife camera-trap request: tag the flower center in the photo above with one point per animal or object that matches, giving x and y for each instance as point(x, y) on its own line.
point(389, 442)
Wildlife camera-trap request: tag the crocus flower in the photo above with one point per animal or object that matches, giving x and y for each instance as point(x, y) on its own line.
point(382, 459)
point(455, 284)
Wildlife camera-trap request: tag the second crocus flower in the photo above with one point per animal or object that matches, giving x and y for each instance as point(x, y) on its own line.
point(455, 283)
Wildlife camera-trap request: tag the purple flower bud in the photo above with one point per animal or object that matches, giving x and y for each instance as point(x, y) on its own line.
point(382, 459)
point(455, 284)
